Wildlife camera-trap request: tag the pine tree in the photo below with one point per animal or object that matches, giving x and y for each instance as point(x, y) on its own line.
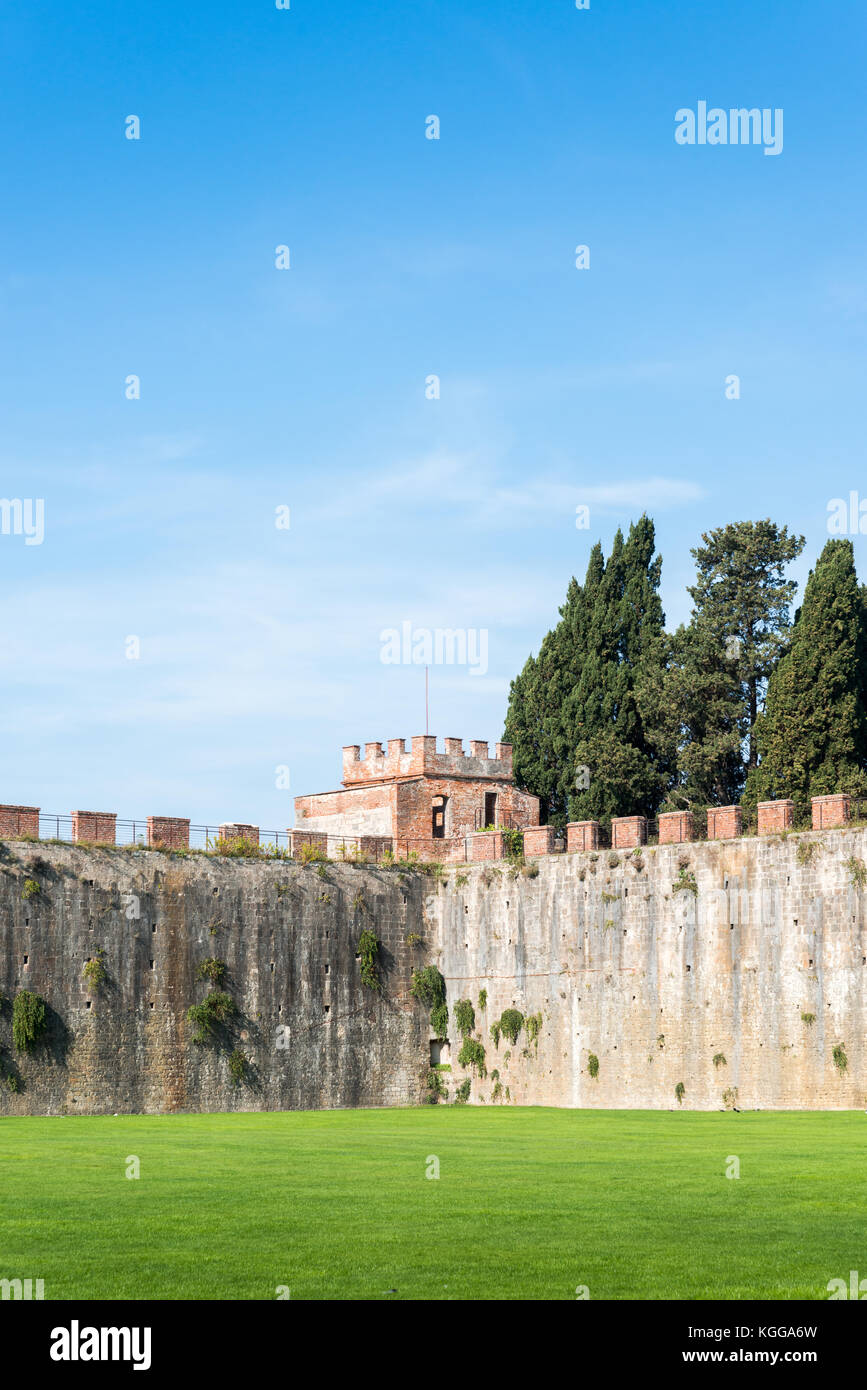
point(812, 736)
point(742, 603)
point(704, 698)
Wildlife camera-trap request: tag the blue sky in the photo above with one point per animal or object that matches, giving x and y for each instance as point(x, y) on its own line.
point(305, 387)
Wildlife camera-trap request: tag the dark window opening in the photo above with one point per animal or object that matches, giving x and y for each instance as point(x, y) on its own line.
point(438, 818)
point(490, 808)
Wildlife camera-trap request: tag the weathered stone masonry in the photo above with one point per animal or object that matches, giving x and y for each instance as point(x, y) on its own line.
point(657, 962)
point(289, 940)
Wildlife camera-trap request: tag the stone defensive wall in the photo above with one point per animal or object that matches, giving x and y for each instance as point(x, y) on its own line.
point(725, 973)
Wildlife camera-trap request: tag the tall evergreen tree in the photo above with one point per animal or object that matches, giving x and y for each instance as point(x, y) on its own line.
point(704, 698)
point(741, 602)
point(592, 696)
point(812, 736)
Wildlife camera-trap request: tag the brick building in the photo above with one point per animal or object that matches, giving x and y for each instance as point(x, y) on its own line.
point(419, 800)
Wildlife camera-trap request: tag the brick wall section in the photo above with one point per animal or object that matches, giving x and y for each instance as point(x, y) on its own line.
point(676, 827)
point(831, 810)
point(724, 822)
point(538, 839)
point(171, 831)
point(628, 831)
point(582, 835)
point(19, 820)
point(487, 846)
point(465, 806)
point(774, 816)
point(237, 830)
point(299, 838)
point(98, 827)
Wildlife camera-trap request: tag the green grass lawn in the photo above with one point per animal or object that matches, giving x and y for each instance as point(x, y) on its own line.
point(530, 1203)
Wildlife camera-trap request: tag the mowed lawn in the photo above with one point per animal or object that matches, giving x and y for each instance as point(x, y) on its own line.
point(529, 1203)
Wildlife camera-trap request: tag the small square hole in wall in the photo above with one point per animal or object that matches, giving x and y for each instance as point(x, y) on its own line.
point(153, 931)
point(26, 959)
point(272, 967)
point(795, 921)
point(88, 1003)
point(151, 964)
point(150, 1005)
point(328, 1008)
point(327, 967)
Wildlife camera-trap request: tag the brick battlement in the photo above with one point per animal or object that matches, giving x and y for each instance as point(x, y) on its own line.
point(423, 760)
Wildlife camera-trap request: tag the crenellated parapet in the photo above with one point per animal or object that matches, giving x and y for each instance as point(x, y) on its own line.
point(422, 759)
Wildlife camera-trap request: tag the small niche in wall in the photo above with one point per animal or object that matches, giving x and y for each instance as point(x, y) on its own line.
point(26, 959)
point(327, 967)
point(88, 1004)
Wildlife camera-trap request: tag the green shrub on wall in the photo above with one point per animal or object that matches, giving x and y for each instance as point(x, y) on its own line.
point(429, 987)
point(368, 950)
point(465, 1016)
point(213, 970)
point(472, 1054)
point(511, 1023)
point(95, 972)
point(217, 1008)
point(28, 1020)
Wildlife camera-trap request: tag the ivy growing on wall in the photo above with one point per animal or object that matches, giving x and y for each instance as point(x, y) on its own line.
point(464, 1016)
point(368, 950)
point(511, 1023)
point(472, 1054)
point(429, 987)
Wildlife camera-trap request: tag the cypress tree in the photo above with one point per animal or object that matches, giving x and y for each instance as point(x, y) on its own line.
point(812, 736)
point(592, 698)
